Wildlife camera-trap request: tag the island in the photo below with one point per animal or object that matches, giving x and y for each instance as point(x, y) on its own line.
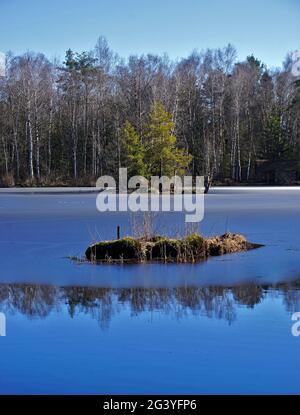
point(189, 249)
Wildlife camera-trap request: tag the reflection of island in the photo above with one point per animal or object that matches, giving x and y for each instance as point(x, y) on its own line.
point(102, 303)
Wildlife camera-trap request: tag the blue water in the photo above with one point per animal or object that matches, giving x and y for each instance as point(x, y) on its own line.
point(222, 326)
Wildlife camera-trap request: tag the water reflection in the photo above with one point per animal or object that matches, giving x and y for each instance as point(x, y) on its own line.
point(38, 301)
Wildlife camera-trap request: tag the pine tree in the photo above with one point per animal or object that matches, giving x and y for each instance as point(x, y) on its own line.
point(275, 144)
point(162, 156)
point(134, 151)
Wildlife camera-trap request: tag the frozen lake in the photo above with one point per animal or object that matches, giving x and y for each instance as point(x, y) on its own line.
point(222, 326)
point(38, 232)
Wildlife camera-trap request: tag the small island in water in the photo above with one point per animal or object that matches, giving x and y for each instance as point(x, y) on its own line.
point(190, 249)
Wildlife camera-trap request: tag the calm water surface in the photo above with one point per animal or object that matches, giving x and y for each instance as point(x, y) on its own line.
point(223, 326)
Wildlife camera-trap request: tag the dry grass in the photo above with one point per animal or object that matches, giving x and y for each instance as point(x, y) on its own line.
point(7, 180)
point(193, 248)
point(227, 244)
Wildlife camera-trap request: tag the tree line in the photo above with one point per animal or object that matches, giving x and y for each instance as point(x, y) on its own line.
point(70, 122)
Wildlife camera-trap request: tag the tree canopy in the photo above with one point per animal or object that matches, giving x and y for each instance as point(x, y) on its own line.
point(70, 122)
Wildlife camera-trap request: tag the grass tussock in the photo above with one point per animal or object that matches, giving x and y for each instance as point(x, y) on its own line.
point(193, 248)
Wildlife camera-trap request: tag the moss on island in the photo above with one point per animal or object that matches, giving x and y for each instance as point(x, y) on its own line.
point(192, 248)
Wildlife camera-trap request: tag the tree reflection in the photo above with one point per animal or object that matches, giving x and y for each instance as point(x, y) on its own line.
point(103, 303)
point(32, 300)
point(250, 297)
point(97, 302)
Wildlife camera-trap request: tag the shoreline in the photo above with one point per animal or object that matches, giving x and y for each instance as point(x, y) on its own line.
point(91, 190)
point(49, 190)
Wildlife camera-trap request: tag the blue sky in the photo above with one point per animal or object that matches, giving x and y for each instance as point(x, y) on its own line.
point(266, 28)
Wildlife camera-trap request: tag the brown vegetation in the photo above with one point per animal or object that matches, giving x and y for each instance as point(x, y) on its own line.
point(192, 248)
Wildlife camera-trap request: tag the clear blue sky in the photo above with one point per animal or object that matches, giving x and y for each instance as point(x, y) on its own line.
point(266, 28)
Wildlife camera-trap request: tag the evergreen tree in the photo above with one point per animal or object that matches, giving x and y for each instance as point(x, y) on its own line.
point(134, 151)
point(275, 145)
point(70, 60)
point(162, 156)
